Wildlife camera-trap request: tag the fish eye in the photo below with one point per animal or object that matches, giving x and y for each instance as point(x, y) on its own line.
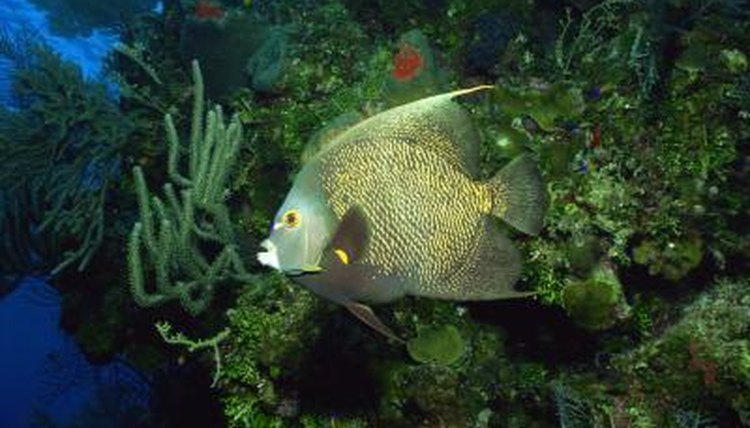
point(291, 219)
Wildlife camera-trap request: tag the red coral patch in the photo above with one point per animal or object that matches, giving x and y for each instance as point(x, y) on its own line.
point(207, 10)
point(407, 63)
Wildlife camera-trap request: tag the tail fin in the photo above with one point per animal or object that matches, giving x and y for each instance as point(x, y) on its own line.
point(519, 196)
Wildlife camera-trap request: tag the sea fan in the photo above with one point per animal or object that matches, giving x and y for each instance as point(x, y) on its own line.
point(60, 151)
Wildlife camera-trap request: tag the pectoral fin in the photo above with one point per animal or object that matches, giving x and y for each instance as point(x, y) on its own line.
point(350, 241)
point(343, 280)
point(367, 316)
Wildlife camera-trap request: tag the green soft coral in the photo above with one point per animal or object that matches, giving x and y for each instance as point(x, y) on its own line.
point(60, 153)
point(174, 231)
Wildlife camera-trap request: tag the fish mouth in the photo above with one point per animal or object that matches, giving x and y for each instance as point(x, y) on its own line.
point(270, 257)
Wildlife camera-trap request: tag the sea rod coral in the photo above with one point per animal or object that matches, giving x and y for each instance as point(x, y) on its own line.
point(174, 232)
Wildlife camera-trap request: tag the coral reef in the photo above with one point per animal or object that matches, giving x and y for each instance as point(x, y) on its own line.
point(60, 152)
point(439, 345)
point(637, 113)
point(699, 364)
point(626, 200)
point(175, 234)
point(273, 326)
point(416, 73)
point(690, 375)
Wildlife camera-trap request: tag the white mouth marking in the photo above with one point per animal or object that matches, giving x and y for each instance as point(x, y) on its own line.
point(270, 257)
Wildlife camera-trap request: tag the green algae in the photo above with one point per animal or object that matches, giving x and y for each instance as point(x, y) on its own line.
point(674, 261)
point(597, 302)
point(441, 345)
point(547, 105)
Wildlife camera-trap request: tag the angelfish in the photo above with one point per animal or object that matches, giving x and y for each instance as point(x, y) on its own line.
point(393, 206)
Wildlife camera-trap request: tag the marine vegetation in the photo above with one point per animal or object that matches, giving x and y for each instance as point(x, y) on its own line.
point(694, 371)
point(632, 219)
point(596, 302)
point(60, 151)
point(438, 345)
point(631, 118)
point(177, 232)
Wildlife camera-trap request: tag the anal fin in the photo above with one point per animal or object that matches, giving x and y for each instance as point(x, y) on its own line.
point(489, 272)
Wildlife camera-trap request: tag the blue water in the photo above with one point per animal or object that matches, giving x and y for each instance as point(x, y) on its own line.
point(87, 52)
point(21, 17)
point(45, 380)
point(45, 377)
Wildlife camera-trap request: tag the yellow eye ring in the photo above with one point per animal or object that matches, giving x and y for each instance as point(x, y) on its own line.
point(291, 219)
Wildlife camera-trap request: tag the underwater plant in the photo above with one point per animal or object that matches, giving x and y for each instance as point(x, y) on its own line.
point(188, 237)
point(572, 410)
point(172, 337)
point(437, 345)
point(597, 302)
point(60, 151)
point(700, 366)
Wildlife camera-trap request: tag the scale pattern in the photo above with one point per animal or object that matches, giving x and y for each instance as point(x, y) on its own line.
point(424, 213)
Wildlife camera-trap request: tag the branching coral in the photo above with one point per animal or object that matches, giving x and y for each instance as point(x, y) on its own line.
point(172, 337)
point(178, 234)
point(582, 41)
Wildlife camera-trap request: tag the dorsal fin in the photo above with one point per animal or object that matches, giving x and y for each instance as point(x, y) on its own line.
point(435, 123)
point(326, 135)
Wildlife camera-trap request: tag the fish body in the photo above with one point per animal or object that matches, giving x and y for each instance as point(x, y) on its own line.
point(393, 207)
